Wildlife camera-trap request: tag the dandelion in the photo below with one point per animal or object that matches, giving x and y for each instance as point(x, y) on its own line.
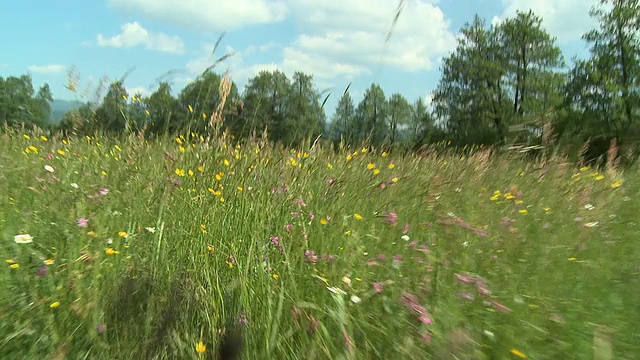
point(376, 171)
point(123, 234)
point(394, 180)
point(392, 165)
point(23, 239)
point(518, 353)
point(49, 262)
point(110, 251)
point(370, 166)
point(14, 266)
point(54, 304)
point(200, 346)
point(523, 211)
point(200, 168)
point(49, 168)
point(357, 216)
point(324, 221)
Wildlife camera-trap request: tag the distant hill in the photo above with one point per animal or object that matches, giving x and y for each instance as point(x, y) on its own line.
point(60, 107)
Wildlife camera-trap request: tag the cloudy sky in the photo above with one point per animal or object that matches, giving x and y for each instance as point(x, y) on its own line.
point(337, 42)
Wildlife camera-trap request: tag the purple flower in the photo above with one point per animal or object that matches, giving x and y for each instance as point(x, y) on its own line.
point(42, 272)
point(391, 218)
point(83, 222)
point(101, 328)
point(377, 287)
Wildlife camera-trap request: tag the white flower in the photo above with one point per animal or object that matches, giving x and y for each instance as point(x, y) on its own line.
point(336, 290)
point(74, 185)
point(346, 281)
point(592, 224)
point(23, 239)
point(589, 207)
point(405, 237)
point(150, 229)
point(49, 168)
point(355, 299)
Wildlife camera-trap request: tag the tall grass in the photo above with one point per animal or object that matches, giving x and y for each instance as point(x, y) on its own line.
point(155, 246)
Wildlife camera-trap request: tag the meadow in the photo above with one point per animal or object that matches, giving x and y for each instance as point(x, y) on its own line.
point(126, 248)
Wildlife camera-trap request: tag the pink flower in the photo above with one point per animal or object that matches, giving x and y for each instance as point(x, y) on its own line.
point(83, 222)
point(104, 191)
point(391, 218)
point(377, 287)
point(406, 229)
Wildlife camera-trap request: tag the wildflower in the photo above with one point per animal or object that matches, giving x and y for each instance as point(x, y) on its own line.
point(49, 168)
point(60, 152)
point(74, 185)
point(392, 165)
point(275, 276)
point(150, 229)
point(391, 218)
point(336, 290)
point(589, 207)
point(54, 304)
point(394, 180)
point(200, 168)
point(181, 149)
point(123, 234)
point(329, 166)
point(384, 154)
point(10, 261)
point(355, 299)
point(180, 172)
point(179, 141)
point(376, 171)
point(370, 166)
point(200, 346)
point(377, 287)
point(518, 353)
point(101, 328)
point(103, 192)
point(599, 177)
point(357, 216)
point(26, 137)
point(14, 266)
point(42, 271)
point(191, 110)
point(523, 211)
point(23, 239)
point(405, 237)
point(92, 233)
point(49, 262)
point(83, 222)
point(616, 184)
point(324, 221)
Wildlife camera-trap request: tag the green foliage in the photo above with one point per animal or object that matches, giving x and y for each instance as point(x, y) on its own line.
point(19, 105)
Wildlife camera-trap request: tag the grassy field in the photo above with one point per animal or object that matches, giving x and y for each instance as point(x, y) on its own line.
point(154, 250)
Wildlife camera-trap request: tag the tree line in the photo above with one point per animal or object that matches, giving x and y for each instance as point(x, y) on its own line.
point(504, 83)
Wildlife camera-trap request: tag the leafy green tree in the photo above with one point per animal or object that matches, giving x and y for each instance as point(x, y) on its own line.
point(372, 117)
point(421, 124)
point(399, 115)
point(266, 104)
point(111, 114)
point(305, 116)
point(161, 106)
point(342, 121)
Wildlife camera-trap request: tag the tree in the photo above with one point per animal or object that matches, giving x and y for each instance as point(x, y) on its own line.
point(305, 116)
point(421, 123)
point(399, 115)
point(342, 121)
point(161, 106)
point(265, 103)
point(371, 116)
point(110, 115)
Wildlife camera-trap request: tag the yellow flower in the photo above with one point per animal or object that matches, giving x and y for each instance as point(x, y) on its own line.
point(239, 188)
point(179, 141)
point(118, 148)
point(92, 233)
point(293, 162)
point(518, 353)
point(364, 150)
point(376, 171)
point(43, 138)
point(27, 137)
point(348, 232)
point(519, 202)
point(599, 177)
point(524, 212)
point(104, 173)
point(226, 162)
point(181, 149)
point(200, 168)
point(349, 157)
point(219, 176)
point(33, 148)
point(190, 108)
point(180, 172)
point(324, 221)
point(394, 180)
point(329, 166)
point(190, 172)
point(201, 347)
point(357, 216)
point(275, 276)
point(110, 251)
point(222, 199)
point(10, 261)
point(509, 196)
point(571, 259)
point(584, 168)
point(123, 234)
point(370, 166)
point(616, 184)
point(49, 262)
point(15, 266)
point(392, 165)
point(147, 112)
point(384, 154)
point(204, 116)
point(54, 304)
point(60, 151)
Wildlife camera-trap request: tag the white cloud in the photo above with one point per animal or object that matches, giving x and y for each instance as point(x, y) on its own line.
point(47, 69)
point(133, 34)
point(566, 19)
point(207, 14)
point(138, 90)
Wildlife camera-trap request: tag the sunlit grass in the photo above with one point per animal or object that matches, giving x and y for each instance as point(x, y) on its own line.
point(130, 249)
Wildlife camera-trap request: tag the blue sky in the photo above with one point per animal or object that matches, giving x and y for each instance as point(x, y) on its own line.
point(336, 42)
